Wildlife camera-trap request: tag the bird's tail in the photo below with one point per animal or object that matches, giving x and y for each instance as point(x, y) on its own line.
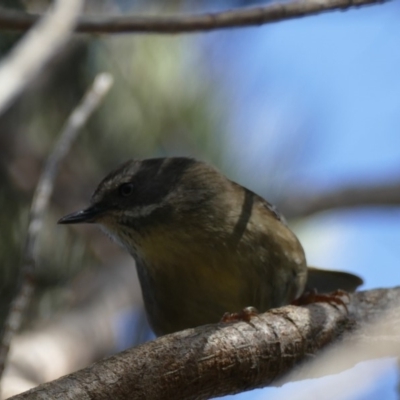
point(326, 281)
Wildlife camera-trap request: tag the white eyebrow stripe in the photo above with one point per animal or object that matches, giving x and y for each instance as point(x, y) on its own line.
point(141, 211)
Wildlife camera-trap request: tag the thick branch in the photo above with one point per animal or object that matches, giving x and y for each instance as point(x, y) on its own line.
point(379, 195)
point(222, 359)
point(17, 21)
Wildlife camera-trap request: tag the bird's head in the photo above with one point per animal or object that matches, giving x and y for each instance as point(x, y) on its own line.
point(142, 194)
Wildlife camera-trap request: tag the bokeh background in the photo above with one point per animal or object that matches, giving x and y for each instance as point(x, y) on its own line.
point(290, 110)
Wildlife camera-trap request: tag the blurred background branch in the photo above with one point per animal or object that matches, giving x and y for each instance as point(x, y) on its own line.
point(300, 205)
point(40, 202)
point(299, 112)
point(281, 11)
point(80, 336)
point(36, 48)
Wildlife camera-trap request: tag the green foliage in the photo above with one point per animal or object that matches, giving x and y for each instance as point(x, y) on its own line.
point(158, 106)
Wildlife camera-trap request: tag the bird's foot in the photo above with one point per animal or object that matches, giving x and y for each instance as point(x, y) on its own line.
point(244, 315)
point(312, 296)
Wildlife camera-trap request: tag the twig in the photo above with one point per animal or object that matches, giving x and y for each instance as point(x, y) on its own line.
point(17, 21)
point(40, 201)
point(220, 359)
point(36, 49)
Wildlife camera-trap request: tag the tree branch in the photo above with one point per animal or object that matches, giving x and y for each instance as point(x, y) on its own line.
point(36, 49)
point(40, 202)
point(220, 359)
point(298, 205)
point(17, 21)
point(78, 337)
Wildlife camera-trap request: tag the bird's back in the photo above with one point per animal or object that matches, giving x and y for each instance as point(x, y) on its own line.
point(195, 271)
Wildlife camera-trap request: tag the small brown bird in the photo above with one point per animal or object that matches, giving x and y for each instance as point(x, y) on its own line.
point(203, 244)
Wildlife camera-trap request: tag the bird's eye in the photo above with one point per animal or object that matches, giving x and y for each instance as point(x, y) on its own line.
point(126, 189)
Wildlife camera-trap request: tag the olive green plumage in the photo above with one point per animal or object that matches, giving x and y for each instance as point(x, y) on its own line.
point(203, 244)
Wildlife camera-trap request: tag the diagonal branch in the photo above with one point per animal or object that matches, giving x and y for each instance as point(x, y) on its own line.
point(220, 359)
point(40, 202)
point(17, 21)
point(79, 336)
point(36, 48)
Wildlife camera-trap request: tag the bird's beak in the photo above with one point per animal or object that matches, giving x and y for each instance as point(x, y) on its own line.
point(88, 216)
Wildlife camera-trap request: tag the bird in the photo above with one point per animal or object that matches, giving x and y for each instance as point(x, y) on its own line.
point(203, 244)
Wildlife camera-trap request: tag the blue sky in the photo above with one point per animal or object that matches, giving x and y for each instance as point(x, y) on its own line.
point(327, 89)
point(334, 72)
point(314, 103)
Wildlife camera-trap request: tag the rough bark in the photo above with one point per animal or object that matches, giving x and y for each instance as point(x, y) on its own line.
point(222, 359)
